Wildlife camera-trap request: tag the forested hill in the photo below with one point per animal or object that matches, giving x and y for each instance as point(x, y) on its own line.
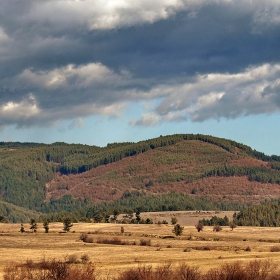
point(45, 178)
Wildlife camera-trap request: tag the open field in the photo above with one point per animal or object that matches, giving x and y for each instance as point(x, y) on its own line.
point(205, 249)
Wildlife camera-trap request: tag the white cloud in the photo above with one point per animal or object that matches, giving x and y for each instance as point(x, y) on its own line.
point(19, 111)
point(93, 89)
point(219, 96)
point(92, 73)
point(109, 14)
point(148, 119)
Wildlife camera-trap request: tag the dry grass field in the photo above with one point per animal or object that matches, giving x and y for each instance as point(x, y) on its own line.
point(205, 249)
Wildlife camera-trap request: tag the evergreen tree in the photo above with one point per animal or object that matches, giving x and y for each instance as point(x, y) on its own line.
point(174, 220)
point(33, 225)
point(67, 224)
point(138, 218)
point(22, 230)
point(46, 225)
point(178, 230)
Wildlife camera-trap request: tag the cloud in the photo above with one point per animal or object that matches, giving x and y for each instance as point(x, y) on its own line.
point(13, 112)
point(218, 95)
point(191, 59)
point(149, 119)
point(75, 123)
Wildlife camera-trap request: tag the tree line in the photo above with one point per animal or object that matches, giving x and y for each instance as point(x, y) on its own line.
point(265, 215)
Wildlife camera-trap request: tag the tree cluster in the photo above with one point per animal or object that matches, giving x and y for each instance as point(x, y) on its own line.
point(215, 221)
point(265, 215)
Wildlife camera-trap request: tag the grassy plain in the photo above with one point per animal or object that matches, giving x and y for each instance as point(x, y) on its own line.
point(205, 249)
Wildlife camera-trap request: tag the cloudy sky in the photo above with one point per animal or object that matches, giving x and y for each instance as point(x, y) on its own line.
point(103, 71)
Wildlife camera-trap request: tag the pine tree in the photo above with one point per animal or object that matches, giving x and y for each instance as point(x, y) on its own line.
point(67, 224)
point(33, 225)
point(22, 230)
point(46, 226)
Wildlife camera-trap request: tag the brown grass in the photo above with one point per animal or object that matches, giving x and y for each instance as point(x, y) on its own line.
point(62, 270)
point(226, 247)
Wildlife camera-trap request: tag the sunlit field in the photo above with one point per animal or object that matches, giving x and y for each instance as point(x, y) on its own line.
point(206, 249)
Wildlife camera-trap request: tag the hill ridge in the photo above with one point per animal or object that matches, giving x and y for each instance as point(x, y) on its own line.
point(37, 176)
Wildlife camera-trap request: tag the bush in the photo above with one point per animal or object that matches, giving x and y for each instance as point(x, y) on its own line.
point(275, 249)
point(85, 258)
point(62, 270)
point(254, 270)
point(161, 272)
point(49, 270)
point(178, 230)
point(174, 220)
point(227, 271)
point(146, 272)
point(113, 241)
point(145, 242)
point(232, 226)
point(199, 227)
point(187, 250)
point(217, 228)
point(85, 238)
point(187, 272)
point(73, 258)
point(248, 249)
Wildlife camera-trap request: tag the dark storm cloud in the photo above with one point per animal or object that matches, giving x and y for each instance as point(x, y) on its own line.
point(70, 59)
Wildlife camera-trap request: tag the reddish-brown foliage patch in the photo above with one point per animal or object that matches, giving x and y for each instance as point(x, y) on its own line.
point(167, 169)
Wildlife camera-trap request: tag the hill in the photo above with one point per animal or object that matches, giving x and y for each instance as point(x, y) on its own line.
point(60, 176)
point(15, 213)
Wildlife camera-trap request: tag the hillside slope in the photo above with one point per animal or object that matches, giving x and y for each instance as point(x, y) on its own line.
point(45, 177)
point(192, 167)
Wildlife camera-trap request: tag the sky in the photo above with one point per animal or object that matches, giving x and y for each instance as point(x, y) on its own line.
point(103, 71)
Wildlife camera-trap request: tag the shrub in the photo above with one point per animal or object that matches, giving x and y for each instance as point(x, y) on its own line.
point(85, 258)
point(174, 220)
point(145, 242)
point(72, 258)
point(62, 270)
point(49, 270)
point(254, 270)
point(227, 271)
point(187, 250)
point(232, 226)
point(178, 230)
point(146, 272)
point(275, 249)
point(142, 272)
point(85, 238)
point(199, 227)
point(187, 272)
point(248, 249)
point(206, 248)
point(217, 228)
point(114, 241)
